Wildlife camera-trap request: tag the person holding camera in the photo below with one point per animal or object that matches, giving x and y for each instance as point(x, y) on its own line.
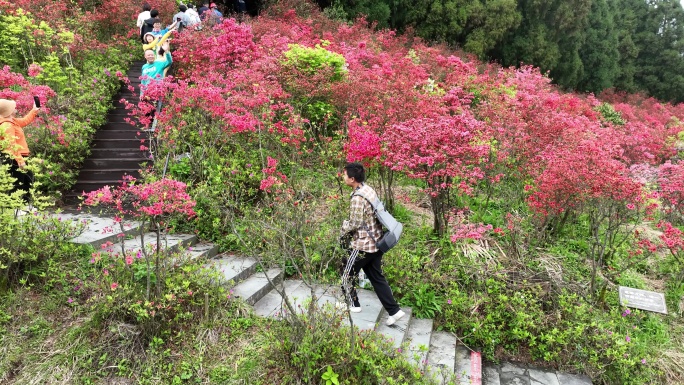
point(361, 230)
point(13, 144)
point(182, 17)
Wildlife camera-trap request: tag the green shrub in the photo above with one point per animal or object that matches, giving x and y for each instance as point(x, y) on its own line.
point(323, 341)
point(311, 60)
point(28, 242)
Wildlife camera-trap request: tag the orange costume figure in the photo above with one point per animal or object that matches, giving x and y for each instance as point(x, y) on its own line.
point(13, 144)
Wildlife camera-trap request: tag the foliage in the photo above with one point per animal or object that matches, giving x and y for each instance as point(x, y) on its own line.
point(535, 194)
point(75, 85)
point(444, 153)
point(152, 204)
point(310, 60)
point(424, 302)
point(586, 45)
point(325, 344)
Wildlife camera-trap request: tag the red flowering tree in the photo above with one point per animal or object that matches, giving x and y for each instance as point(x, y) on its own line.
point(673, 240)
point(444, 152)
point(151, 204)
point(671, 188)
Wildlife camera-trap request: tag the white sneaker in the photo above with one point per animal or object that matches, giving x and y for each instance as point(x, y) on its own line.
point(394, 318)
point(343, 306)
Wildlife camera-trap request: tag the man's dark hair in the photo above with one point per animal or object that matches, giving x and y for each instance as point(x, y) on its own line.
point(355, 170)
point(182, 8)
point(154, 13)
point(146, 7)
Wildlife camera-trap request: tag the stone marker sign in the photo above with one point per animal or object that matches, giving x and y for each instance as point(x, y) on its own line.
point(643, 299)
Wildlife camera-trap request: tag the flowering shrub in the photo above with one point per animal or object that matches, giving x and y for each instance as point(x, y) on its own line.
point(445, 153)
point(671, 188)
point(150, 203)
point(254, 107)
point(65, 69)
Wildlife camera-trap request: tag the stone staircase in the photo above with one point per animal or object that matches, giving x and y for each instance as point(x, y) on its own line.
point(116, 147)
point(437, 353)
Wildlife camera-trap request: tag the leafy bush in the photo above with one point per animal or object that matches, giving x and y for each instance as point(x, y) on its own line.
point(28, 243)
point(311, 60)
point(324, 343)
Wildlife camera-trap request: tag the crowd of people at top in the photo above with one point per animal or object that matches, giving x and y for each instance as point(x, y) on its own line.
point(14, 150)
point(155, 38)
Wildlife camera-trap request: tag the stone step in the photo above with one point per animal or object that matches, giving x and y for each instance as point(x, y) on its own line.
point(125, 144)
point(92, 185)
point(99, 230)
point(169, 242)
point(441, 359)
point(491, 375)
point(108, 134)
point(418, 338)
point(118, 126)
point(467, 373)
point(234, 268)
point(511, 373)
point(203, 250)
point(119, 111)
point(109, 153)
point(120, 163)
point(257, 286)
point(112, 174)
point(370, 310)
point(272, 305)
point(397, 332)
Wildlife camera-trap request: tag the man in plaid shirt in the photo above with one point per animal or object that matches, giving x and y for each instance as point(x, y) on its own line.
point(365, 230)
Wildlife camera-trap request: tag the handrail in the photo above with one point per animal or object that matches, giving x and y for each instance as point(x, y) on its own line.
point(152, 137)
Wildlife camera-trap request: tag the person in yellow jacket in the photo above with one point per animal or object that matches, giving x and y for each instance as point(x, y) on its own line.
point(13, 145)
point(155, 42)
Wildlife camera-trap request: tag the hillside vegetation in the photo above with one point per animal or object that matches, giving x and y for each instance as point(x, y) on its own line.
point(525, 206)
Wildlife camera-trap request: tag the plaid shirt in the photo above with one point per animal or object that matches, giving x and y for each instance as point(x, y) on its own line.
point(362, 222)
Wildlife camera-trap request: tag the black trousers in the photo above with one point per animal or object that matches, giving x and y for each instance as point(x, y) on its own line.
point(23, 179)
point(371, 263)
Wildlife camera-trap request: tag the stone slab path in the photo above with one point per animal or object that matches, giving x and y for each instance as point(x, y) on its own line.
point(437, 353)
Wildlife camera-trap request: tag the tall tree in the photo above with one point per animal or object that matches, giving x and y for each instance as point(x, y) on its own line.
point(660, 62)
point(599, 51)
point(549, 36)
point(631, 14)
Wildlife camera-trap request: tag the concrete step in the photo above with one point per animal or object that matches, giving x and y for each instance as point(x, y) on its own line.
point(442, 356)
point(99, 230)
point(169, 242)
point(397, 332)
point(418, 338)
point(257, 286)
point(234, 268)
